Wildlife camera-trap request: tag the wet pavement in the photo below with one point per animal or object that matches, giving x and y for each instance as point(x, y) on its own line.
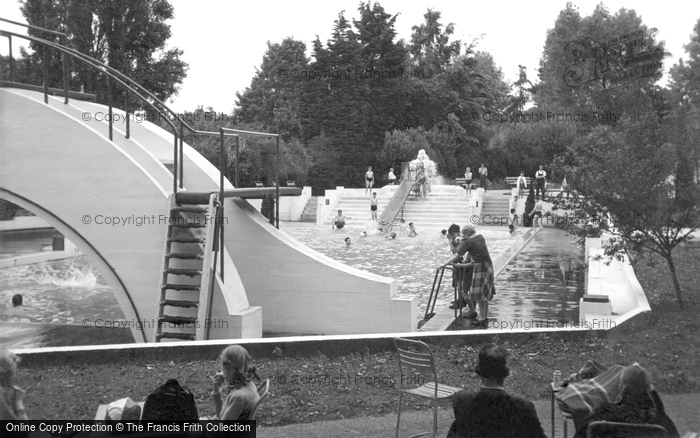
point(532, 291)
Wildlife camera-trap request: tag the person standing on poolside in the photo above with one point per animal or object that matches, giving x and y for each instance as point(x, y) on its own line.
point(468, 176)
point(391, 177)
point(521, 183)
point(483, 173)
point(373, 203)
point(369, 180)
point(461, 276)
point(537, 212)
point(482, 286)
point(541, 181)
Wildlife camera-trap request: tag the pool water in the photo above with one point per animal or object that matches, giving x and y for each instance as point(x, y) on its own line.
point(59, 295)
point(60, 292)
point(412, 261)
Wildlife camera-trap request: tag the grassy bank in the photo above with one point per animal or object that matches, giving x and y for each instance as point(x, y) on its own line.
point(666, 342)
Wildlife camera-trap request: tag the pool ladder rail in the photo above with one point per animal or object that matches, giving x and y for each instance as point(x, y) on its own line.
point(434, 291)
point(186, 288)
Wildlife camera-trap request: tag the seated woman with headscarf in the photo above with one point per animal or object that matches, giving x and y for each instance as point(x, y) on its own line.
point(11, 396)
point(234, 393)
point(638, 403)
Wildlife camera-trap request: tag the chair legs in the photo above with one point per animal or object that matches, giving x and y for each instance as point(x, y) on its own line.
point(398, 419)
point(435, 419)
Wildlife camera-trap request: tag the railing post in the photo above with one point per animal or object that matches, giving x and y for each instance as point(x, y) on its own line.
point(175, 163)
point(65, 78)
point(182, 160)
point(277, 184)
point(220, 217)
point(237, 157)
point(126, 108)
point(46, 74)
point(109, 104)
point(9, 37)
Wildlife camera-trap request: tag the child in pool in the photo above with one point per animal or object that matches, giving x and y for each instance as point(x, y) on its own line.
point(347, 241)
point(391, 236)
point(402, 226)
point(411, 230)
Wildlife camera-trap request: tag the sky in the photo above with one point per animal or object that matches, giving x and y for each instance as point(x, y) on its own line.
point(224, 41)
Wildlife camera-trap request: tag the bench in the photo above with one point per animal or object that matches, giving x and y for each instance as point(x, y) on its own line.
point(513, 180)
point(291, 184)
point(463, 182)
point(259, 184)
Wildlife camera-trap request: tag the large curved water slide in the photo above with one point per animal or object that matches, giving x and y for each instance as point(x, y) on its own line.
point(62, 167)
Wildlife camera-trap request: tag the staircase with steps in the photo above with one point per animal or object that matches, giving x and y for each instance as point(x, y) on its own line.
point(186, 286)
point(309, 213)
point(495, 207)
point(443, 206)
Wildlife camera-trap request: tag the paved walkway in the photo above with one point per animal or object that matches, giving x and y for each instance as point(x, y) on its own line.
point(684, 410)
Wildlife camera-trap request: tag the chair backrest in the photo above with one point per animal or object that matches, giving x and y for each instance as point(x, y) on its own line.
point(259, 184)
point(603, 429)
point(264, 391)
point(419, 358)
point(291, 183)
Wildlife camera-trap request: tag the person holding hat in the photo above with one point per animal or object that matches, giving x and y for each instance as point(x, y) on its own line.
point(482, 287)
point(492, 412)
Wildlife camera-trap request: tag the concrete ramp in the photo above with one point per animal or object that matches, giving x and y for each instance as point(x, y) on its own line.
point(111, 198)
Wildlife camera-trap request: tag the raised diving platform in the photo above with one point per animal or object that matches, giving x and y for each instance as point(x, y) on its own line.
point(186, 197)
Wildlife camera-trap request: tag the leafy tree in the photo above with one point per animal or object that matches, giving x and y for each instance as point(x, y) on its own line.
point(273, 98)
point(685, 77)
point(622, 174)
point(431, 50)
point(129, 37)
point(572, 63)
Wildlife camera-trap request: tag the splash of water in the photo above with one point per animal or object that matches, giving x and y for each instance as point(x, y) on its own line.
point(76, 275)
point(429, 167)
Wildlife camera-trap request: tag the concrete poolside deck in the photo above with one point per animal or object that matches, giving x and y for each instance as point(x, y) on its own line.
point(684, 410)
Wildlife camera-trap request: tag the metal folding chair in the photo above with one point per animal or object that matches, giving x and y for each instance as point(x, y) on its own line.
point(417, 356)
point(264, 391)
point(609, 429)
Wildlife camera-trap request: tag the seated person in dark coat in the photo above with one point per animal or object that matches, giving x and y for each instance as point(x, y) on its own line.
point(492, 412)
point(638, 403)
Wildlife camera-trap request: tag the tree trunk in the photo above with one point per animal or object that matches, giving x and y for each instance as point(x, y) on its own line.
point(674, 276)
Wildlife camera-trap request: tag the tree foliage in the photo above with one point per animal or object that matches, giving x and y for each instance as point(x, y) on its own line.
point(130, 37)
point(623, 175)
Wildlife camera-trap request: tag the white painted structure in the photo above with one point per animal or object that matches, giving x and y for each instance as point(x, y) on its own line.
point(110, 198)
point(615, 280)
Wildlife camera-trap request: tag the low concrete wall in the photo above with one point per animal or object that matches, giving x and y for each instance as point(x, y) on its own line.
point(291, 207)
point(327, 204)
point(24, 223)
point(69, 250)
point(617, 281)
point(297, 347)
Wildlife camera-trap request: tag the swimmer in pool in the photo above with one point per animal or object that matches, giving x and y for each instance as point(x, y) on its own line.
point(391, 236)
point(363, 235)
point(412, 230)
point(347, 241)
point(339, 221)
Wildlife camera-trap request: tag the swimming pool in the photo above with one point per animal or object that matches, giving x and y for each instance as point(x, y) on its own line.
point(411, 261)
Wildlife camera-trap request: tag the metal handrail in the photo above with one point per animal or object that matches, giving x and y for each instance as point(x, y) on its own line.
point(151, 101)
point(128, 84)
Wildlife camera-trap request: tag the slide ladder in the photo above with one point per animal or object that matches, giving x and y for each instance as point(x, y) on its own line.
point(396, 203)
point(189, 266)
